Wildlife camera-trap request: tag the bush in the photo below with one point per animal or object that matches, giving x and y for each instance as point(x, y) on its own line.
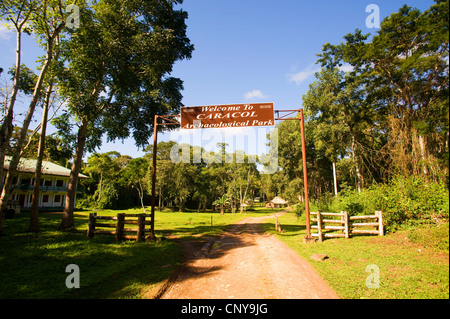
point(298, 209)
point(412, 201)
point(431, 236)
point(404, 201)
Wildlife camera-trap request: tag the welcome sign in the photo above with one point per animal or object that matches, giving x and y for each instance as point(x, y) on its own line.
point(224, 116)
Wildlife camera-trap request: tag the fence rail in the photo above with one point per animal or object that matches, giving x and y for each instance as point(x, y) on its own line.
point(120, 232)
point(349, 225)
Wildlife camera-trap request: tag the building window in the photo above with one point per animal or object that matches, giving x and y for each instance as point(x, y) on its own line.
point(45, 198)
point(48, 183)
point(57, 198)
point(59, 183)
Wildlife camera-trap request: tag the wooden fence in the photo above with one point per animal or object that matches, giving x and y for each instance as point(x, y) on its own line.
point(348, 225)
point(119, 231)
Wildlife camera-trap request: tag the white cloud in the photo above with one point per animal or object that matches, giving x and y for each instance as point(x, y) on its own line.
point(5, 33)
point(255, 94)
point(346, 68)
point(303, 75)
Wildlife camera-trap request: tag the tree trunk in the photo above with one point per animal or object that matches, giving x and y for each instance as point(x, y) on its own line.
point(33, 226)
point(242, 199)
point(334, 179)
point(141, 196)
point(100, 186)
point(159, 200)
point(7, 125)
point(69, 206)
point(359, 178)
point(12, 171)
point(423, 155)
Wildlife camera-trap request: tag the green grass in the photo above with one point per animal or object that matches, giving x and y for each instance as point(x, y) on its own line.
point(33, 265)
point(412, 264)
point(191, 225)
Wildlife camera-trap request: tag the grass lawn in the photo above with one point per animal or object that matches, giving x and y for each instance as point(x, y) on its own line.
point(412, 263)
point(33, 265)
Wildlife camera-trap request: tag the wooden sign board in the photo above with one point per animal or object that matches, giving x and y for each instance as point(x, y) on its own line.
point(224, 116)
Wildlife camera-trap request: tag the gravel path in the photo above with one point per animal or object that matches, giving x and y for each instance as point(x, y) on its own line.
point(245, 263)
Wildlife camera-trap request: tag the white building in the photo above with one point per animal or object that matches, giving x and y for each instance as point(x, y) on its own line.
point(53, 189)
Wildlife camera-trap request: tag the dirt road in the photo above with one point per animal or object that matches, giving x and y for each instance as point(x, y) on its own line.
point(245, 263)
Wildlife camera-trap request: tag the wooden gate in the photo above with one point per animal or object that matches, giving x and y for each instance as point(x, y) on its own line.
point(120, 232)
point(347, 225)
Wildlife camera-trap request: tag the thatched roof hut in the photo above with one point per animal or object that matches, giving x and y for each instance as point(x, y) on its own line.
point(278, 201)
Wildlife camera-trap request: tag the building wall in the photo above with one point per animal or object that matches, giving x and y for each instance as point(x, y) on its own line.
point(53, 191)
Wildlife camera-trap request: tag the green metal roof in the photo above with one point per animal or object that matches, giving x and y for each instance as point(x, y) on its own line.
point(48, 168)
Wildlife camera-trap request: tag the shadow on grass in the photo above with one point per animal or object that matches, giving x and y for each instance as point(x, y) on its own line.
point(205, 246)
point(34, 264)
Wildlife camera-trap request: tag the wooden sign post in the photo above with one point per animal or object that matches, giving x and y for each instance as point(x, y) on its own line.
point(229, 116)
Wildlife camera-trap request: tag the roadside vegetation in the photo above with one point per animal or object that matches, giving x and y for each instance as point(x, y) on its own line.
point(376, 138)
point(413, 256)
point(413, 263)
point(33, 264)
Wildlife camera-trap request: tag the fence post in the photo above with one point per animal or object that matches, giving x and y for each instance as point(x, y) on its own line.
point(119, 227)
point(140, 235)
point(319, 226)
point(91, 228)
point(346, 222)
point(277, 225)
point(379, 215)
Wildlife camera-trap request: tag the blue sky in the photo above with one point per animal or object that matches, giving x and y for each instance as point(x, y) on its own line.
point(247, 51)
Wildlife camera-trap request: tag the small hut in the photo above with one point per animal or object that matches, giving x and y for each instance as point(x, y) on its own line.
point(278, 201)
point(270, 205)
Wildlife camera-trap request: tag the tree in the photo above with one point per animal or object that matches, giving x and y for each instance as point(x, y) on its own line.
point(47, 22)
point(403, 76)
point(119, 81)
point(221, 201)
point(135, 174)
point(33, 226)
point(242, 177)
point(18, 13)
point(340, 119)
point(105, 170)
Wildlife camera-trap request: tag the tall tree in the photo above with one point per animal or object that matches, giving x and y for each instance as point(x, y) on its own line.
point(404, 71)
point(117, 72)
point(135, 174)
point(47, 21)
point(33, 226)
point(341, 121)
point(17, 13)
point(105, 170)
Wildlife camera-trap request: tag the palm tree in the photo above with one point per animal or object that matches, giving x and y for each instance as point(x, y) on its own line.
point(221, 201)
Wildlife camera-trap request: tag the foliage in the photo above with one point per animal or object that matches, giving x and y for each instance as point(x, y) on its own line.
point(411, 267)
point(398, 88)
point(117, 83)
point(433, 236)
point(221, 201)
point(108, 269)
point(298, 209)
point(404, 202)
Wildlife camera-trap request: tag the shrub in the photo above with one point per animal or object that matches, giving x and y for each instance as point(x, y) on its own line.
point(298, 209)
point(407, 201)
